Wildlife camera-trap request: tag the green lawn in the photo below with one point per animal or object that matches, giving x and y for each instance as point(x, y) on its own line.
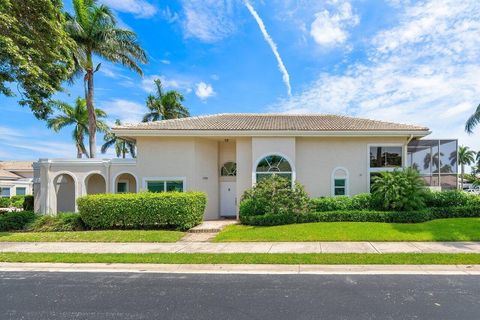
point(94, 236)
point(460, 229)
point(247, 258)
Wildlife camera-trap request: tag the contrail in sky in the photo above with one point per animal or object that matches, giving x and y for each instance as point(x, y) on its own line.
point(273, 46)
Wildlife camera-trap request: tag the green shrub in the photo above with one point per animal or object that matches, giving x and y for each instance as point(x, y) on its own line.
point(367, 216)
point(10, 221)
point(399, 190)
point(28, 203)
point(452, 198)
point(17, 201)
point(360, 201)
point(4, 202)
point(61, 222)
point(179, 210)
point(274, 196)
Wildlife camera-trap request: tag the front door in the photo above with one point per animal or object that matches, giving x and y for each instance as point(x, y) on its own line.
point(228, 194)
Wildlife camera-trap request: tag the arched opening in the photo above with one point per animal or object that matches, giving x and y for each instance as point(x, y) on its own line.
point(95, 184)
point(65, 192)
point(125, 183)
point(273, 165)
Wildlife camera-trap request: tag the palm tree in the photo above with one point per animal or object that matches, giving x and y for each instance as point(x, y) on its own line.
point(78, 117)
point(94, 29)
point(122, 146)
point(473, 121)
point(465, 157)
point(165, 105)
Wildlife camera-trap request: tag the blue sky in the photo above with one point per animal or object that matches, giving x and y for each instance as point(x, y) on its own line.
point(398, 60)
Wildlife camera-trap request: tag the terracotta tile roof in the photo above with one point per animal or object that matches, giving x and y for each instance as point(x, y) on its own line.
point(13, 165)
point(4, 174)
point(272, 122)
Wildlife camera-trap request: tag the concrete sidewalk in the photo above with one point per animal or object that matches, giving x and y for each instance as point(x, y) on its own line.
point(242, 268)
point(244, 247)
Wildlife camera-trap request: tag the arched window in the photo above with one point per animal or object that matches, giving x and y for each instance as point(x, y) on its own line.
point(229, 169)
point(273, 164)
point(340, 182)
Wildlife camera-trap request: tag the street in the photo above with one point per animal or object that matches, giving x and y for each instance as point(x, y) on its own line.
point(43, 295)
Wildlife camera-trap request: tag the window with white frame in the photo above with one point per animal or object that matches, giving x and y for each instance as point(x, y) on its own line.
point(20, 191)
point(165, 185)
point(340, 182)
point(5, 192)
point(273, 165)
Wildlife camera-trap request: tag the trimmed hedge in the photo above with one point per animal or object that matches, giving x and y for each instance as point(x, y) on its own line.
point(451, 199)
point(361, 201)
point(366, 216)
point(178, 210)
point(15, 220)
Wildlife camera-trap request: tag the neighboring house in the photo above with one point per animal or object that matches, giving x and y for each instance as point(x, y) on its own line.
point(16, 178)
point(225, 154)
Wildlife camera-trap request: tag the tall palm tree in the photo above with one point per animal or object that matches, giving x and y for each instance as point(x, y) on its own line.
point(122, 146)
point(94, 29)
point(465, 157)
point(473, 121)
point(165, 105)
point(76, 116)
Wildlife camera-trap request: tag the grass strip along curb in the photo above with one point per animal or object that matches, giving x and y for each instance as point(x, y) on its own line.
point(247, 258)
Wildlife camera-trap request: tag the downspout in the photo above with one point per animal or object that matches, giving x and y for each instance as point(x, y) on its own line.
point(405, 152)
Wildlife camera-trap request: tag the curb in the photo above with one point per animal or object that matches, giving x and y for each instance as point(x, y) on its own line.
point(244, 268)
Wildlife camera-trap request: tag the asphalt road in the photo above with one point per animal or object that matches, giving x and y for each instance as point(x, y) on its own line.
point(37, 295)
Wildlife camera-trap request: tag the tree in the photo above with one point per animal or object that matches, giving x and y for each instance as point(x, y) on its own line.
point(122, 146)
point(465, 157)
point(75, 116)
point(473, 121)
point(165, 105)
point(94, 29)
point(36, 53)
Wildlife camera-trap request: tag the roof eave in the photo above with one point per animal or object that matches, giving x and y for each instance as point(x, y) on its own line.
point(132, 133)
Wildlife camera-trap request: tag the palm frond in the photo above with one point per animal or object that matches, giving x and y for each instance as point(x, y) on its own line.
point(473, 121)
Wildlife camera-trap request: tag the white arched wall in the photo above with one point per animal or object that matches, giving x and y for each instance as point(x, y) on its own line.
point(54, 194)
point(113, 182)
point(89, 189)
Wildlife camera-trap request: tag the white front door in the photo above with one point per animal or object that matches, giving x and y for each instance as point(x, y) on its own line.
point(228, 195)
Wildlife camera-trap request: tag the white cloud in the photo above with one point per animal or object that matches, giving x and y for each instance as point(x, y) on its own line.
point(140, 8)
point(329, 29)
point(180, 83)
point(204, 90)
point(208, 20)
point(273, 46)
point(125, 110)
point(423, 71)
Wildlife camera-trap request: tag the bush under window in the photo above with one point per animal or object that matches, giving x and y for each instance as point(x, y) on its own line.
point(176, 210)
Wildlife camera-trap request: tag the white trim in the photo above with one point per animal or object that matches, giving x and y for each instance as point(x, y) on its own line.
point(77, 194)
point(85, 184)
point(268, 133)
point(379, 144)
point(290, 162)
point(113, 184)
point(146, 179)
point(347, 181)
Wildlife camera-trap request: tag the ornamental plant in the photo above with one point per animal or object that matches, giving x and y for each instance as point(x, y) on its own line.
point(399, 190)
point(274, 195)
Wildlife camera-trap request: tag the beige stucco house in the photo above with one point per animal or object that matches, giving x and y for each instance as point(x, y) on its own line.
point(225, 154)
point(16, 178)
